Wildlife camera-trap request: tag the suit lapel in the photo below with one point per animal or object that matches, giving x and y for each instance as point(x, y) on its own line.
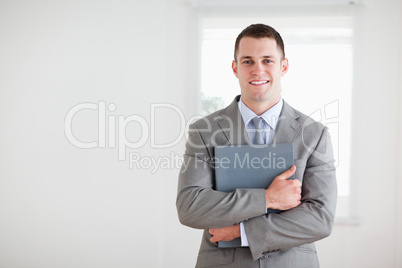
point(232, 124)
point(233, 128)
point(288, 126)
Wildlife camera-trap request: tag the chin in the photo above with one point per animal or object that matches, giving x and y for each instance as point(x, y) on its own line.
point(260, 97)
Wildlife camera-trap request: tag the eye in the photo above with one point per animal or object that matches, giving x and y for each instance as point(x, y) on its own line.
point(247, 62)
point(267, 61)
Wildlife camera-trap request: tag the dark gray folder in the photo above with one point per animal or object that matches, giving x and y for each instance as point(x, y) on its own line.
point(250, 166)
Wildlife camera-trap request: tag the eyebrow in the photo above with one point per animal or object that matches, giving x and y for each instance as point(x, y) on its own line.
point(264, 57)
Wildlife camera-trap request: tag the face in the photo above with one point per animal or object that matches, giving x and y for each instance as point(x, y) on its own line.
point(259, 67)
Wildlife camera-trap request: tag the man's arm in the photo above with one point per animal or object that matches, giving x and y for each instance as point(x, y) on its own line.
point(198, 205)
point(313, 218)
point(282, 194)
point(306, 223)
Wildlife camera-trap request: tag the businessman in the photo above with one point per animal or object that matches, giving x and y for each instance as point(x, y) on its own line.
point(259, 115)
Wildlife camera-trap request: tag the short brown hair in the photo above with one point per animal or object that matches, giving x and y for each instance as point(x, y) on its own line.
point(260, 31)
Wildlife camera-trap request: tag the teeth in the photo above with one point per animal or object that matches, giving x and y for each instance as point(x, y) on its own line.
point(258, 82)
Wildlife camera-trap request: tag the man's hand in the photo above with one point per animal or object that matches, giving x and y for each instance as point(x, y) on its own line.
point(225, 234)
point(284, 194)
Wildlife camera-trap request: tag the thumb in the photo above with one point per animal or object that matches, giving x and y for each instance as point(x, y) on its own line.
point(285, 175)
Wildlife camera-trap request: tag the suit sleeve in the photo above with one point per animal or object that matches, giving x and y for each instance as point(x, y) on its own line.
point(313, 218)
point(198, 205)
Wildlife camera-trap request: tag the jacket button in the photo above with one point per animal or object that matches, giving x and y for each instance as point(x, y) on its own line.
point(264, 257)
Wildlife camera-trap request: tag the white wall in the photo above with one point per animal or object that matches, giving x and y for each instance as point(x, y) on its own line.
point(398, 236)
point(374, 143)
point(63, 206)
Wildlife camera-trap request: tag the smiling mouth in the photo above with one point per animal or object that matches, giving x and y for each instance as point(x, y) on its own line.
point(259, 82)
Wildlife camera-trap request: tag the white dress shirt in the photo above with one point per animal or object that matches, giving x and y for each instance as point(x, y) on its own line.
point(270, 120)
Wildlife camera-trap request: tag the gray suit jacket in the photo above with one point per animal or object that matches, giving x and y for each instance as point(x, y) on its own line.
point(276, 240)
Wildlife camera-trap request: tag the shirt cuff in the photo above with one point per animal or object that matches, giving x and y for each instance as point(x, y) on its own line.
point(243, 236)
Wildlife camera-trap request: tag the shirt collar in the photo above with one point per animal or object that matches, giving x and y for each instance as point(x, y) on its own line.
point(271, 116)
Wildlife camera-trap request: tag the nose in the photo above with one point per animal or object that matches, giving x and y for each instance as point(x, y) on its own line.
point(258, 69)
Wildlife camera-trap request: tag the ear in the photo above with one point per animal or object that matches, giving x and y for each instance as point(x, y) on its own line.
point(284, 67)
point(234, 68)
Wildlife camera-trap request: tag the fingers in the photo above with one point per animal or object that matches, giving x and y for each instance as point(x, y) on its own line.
point(213, 239)
point(225, 234)
point(297, 183)
point(284, 194)
point(285, 175)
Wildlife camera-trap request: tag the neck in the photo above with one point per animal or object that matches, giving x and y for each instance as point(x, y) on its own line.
point(260, 107)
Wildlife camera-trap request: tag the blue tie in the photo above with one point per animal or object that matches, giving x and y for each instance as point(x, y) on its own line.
point(258, 138)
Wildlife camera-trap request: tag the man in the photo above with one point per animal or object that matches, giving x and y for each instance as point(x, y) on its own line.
point(280, 240)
